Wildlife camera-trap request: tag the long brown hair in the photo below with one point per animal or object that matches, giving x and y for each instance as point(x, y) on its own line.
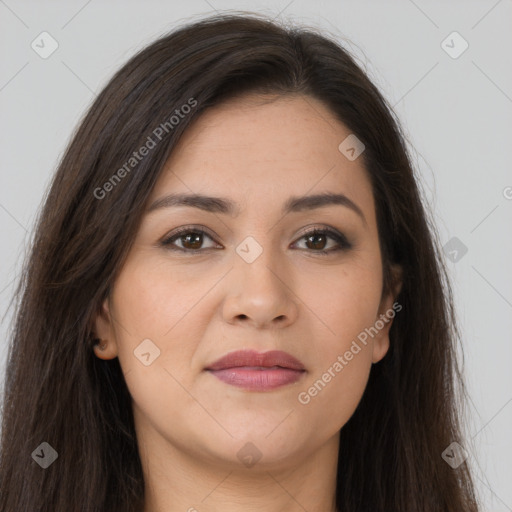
point(58, 392)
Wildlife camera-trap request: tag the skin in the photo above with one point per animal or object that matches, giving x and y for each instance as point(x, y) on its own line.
point(197, 307)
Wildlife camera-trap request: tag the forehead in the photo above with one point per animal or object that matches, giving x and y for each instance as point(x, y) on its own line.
point(261, 150)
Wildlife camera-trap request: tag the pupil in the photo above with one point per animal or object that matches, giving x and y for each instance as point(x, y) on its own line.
point(195, 244)
point(312, 237)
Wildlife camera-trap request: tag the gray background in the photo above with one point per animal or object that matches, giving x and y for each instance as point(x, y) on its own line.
point(456, 113)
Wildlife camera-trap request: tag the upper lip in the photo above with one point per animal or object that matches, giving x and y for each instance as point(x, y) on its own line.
point(253, 358)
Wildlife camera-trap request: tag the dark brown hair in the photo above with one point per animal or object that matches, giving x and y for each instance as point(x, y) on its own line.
point(57, 391)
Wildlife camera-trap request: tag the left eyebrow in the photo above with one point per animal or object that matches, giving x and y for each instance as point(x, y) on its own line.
point(228, 207)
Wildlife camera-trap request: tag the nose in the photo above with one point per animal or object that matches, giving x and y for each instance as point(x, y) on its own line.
point(260, 294)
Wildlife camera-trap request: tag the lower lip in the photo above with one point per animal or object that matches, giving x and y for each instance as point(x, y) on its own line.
point(257, 380)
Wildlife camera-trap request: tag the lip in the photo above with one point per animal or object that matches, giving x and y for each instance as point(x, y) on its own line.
point(257, 371)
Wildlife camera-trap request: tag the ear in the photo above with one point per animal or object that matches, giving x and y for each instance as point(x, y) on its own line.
point(388, 309)
point(104, 330)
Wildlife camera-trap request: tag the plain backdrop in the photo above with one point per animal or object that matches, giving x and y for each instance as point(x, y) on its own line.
point(454, 107)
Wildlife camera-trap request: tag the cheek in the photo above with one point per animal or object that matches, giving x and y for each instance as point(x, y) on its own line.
point(342, 361)
point(346, 305)
point(342, 301)
point(156, 339)
point(156, 297)
point(154, 303)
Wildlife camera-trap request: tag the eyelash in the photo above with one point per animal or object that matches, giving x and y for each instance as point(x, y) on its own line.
point(343, 243)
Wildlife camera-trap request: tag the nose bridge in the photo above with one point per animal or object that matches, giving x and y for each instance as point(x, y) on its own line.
point(259, 264)
point(260, 289)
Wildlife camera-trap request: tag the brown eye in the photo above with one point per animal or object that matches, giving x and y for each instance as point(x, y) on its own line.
point(191, 240)
point(317, 239)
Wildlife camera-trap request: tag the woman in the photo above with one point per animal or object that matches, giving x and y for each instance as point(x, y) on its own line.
point(235, 298)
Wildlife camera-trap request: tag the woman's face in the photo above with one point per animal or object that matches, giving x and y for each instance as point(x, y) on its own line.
point(255, 281)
